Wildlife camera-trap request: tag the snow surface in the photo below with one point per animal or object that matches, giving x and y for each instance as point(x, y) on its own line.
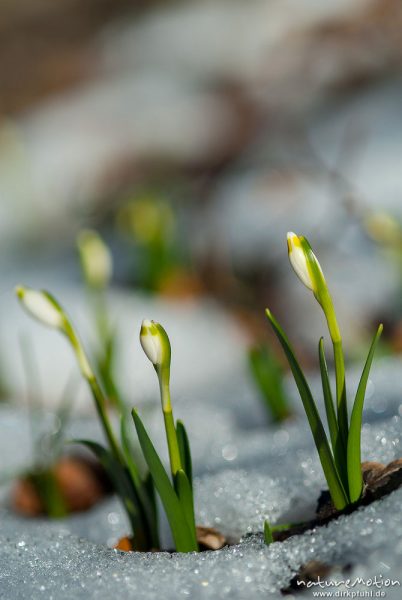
point(243, 476)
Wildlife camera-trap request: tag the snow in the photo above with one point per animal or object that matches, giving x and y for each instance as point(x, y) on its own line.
point(249, 475)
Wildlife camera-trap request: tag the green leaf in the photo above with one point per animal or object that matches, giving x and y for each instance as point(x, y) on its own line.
point(268, 377)
point(185, 452)
point(148, 484)
point(144, 490)
point(336, 439)
point(268, 538)
point(128, 455)
point(186, 498)
point(105, 361)
point(331, 474)
point(329, 404)
point(180, 530)
point(107, 460)
point(354, 449)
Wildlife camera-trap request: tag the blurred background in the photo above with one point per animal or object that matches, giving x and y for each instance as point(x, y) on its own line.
point(192, 136)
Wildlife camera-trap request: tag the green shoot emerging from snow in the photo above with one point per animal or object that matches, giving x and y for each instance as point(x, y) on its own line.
point(178, 498)
point(136, 491)
point(150, 222)
point(341, 461)
point(97, 266)
point(268, 376)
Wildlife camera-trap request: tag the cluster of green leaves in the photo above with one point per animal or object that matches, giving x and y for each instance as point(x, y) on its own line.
point(342, 465)
point(341, 458)
point(268, 377)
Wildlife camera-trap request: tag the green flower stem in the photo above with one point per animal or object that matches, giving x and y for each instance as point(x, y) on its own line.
point(171, 434)
point(341, 403)
point(106, 337)
point(101, 408)
point(100, 401)
point(338, 447)
point(326, 303)
point(98, 300)
point(323, 297)
point(174, 452)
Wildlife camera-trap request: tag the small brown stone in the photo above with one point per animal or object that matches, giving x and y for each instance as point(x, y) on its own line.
point(79, 484)
point(25, 499)
point(125, 544)
point(209, 538)
point(80, 481)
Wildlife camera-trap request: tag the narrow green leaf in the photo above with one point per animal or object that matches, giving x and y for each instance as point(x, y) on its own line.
point(354, 440)
point(172, 442)
point(341, 397)
point(185, 452)
point(331, 474)
point(128, 455)
point(326, 389)
point(186, 498)
point(181, 533)
point(112, 467)
point(268, 538)
point(338, 447)
point(145, 492)
point(148, 484)
point(268, 377)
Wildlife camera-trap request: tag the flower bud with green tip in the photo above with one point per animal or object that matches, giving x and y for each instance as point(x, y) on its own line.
point(301, 261)
point(156, 345)
point(44, 308)
point(308, 269)
point(96, 261)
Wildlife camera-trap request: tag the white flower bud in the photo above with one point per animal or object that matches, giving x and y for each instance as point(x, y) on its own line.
point(155, 343)
point(304, 262)
point(41, 306)
point(298, 260)
point(96, 261)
